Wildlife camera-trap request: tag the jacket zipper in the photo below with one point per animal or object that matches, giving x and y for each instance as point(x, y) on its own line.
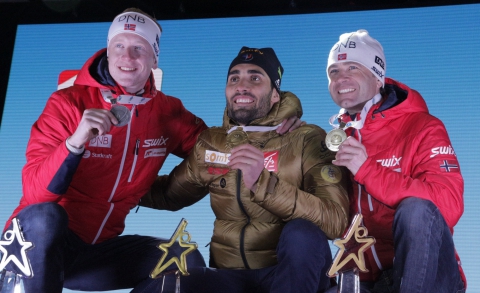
point(117, 181)
point(370, 205)
point(242, 234)
point(135, 153)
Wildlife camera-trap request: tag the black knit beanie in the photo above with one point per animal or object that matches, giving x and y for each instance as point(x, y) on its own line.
point(264, 58)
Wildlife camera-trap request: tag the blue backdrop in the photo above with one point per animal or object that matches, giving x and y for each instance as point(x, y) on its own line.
point(434, 50)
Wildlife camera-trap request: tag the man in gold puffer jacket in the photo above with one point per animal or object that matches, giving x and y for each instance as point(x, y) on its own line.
point(276, 198)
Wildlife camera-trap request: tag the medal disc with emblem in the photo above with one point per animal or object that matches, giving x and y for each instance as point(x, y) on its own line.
point(236, 138)
point(335, 138)
point(122, 114)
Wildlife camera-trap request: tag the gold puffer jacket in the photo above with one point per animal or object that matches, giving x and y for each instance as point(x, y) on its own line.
point(302, 184)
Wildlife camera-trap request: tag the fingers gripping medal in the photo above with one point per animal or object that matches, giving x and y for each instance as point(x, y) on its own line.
point(122, 114)
point(335, 137)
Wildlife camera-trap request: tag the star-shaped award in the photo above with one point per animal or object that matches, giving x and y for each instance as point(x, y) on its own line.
point(184, 241)
point(353, 245)
point(10, 237)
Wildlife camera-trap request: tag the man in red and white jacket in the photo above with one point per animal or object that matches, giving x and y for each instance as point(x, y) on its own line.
point(407, 180)
point(87, 168)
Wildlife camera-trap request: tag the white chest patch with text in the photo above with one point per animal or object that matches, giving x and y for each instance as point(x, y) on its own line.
point(270, 159)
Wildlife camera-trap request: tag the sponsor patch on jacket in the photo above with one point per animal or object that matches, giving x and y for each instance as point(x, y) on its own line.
point(331, 173)
point(88, 154)
point(101, 141)
point(449, 166)
point(390, 162)
point(158, 152)
point(270, 161)
point(442, 150)
point(217, 170)
point(152, 142)
point(216, 157)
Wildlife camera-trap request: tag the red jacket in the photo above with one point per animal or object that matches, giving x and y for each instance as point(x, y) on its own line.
point(409, 154)
point(99, 188)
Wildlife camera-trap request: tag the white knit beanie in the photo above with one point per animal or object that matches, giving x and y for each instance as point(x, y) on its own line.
point(359, 47)
point(139, 24)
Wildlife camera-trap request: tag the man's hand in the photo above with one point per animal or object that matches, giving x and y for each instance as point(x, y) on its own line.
point(250, 160)
point(290, 124)
point(94, 122)
point(352, 154)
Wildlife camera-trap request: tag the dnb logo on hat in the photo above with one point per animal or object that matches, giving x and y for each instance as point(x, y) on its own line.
point(380, 62)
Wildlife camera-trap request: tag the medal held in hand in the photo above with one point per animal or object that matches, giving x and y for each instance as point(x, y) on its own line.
point(350, 258)
point(236, 138)
point(122, 114)
point(11, 282)
point(334, 138)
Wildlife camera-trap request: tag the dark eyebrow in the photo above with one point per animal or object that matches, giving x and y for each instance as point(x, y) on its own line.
point(234, 72)
point(251, 71)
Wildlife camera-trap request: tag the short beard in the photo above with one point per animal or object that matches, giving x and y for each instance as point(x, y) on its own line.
point(245, 116)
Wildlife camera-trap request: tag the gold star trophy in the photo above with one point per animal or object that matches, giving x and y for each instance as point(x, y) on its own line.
point(184, 241)
point(11, 282)
point(350, 259)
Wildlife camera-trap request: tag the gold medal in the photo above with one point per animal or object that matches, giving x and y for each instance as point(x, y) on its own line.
point(236, 137)
point(335, 138)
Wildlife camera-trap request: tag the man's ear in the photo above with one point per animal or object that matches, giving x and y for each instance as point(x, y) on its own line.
point(275, 97)
point(379, 85)
point(155, 64)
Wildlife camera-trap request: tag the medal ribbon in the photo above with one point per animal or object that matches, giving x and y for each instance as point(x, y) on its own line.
point(123, 99)
point(358, 124)
point(255, 128)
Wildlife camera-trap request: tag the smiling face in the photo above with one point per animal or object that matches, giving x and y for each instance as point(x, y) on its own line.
point(249, 92)
point(351, 85)
point(130, 61)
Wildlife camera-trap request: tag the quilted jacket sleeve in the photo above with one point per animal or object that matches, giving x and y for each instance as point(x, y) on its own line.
point(50, 166)
point(179, 189)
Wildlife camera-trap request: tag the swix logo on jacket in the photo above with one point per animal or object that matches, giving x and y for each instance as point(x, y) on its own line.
point(391, 162)
point(155, 142)
point(443, 150)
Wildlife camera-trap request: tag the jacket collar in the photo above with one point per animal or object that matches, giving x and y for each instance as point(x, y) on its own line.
point(288, 106)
